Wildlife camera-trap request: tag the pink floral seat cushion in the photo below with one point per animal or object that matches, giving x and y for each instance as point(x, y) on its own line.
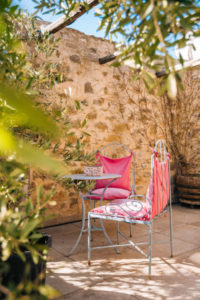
point(110, 194)
point(127, 209)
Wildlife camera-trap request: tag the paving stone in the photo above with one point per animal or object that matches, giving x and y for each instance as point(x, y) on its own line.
point(124, 275)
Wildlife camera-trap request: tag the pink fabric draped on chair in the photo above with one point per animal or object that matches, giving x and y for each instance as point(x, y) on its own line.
point(160, 188)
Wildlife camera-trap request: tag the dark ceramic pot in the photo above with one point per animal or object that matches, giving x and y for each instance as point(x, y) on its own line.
point(17, 268)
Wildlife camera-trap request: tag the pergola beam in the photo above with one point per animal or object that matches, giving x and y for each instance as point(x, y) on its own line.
point(110, 57)
point(107, 58)
point(63, 21)
point(178, 67)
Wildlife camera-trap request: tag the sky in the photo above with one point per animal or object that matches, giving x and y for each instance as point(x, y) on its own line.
point(87, 23)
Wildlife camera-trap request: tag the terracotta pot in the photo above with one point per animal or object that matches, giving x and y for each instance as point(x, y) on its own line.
point(188, 187)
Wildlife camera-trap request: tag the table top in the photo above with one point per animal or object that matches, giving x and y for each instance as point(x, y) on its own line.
point(85, 177)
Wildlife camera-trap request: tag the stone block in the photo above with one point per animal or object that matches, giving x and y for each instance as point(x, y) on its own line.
point(92, 115)
point(99, 101)
point(75, 58)
point(101, 126)
point(88, 87)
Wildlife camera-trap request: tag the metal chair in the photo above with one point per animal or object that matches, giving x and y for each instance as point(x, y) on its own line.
point(119, 184)
point(117, 159)
point(134, 210)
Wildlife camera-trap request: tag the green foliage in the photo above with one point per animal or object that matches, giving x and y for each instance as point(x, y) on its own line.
point(12, 180)
point(40, 72)
point(18, 106)
point(21, 78)
point(26, 132)
point(27, 290)
point(17, 109)
point(17, 226)
point(149, 30)
point(19, 233)
point(11, 59)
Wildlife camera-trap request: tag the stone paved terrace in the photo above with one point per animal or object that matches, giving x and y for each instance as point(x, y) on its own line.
point(124, 275)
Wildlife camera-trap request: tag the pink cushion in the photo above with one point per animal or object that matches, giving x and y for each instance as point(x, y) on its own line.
point(120, 166)
point(126, 209)
point(110, 194)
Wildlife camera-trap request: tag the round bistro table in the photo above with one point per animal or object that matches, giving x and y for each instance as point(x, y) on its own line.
point(83, 177)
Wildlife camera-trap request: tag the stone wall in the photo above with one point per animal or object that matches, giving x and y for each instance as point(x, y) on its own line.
point(117, 110)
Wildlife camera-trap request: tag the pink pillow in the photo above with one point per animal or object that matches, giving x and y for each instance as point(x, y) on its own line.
point(120, 166)
point(110, 194)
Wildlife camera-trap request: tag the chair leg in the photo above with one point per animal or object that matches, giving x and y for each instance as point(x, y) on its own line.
point(117, 232)
point(131, 230)
point(150, 249)
point(171, 229)
point(89, 239)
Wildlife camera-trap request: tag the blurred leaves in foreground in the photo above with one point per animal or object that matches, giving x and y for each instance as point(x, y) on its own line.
point(19, 110)
point(20, 83)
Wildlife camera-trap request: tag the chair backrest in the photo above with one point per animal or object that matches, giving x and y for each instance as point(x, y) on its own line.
point(159, 190)
point(117, 159)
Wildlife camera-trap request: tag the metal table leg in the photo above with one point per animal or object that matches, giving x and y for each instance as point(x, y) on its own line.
point(93, 229)
point(82, 229)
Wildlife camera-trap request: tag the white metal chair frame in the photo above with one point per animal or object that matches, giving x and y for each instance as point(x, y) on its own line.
point(163, 157)
point(102, 151)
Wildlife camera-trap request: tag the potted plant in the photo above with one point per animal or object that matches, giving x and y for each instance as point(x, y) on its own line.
point(23, 246)
point(188, 187)
point(181, 130)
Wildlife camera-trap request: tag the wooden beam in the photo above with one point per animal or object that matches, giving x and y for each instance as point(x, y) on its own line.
point(188, 64)
point(63, 21)
point(106, 59)
point(160, 73)
point(179, 67)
